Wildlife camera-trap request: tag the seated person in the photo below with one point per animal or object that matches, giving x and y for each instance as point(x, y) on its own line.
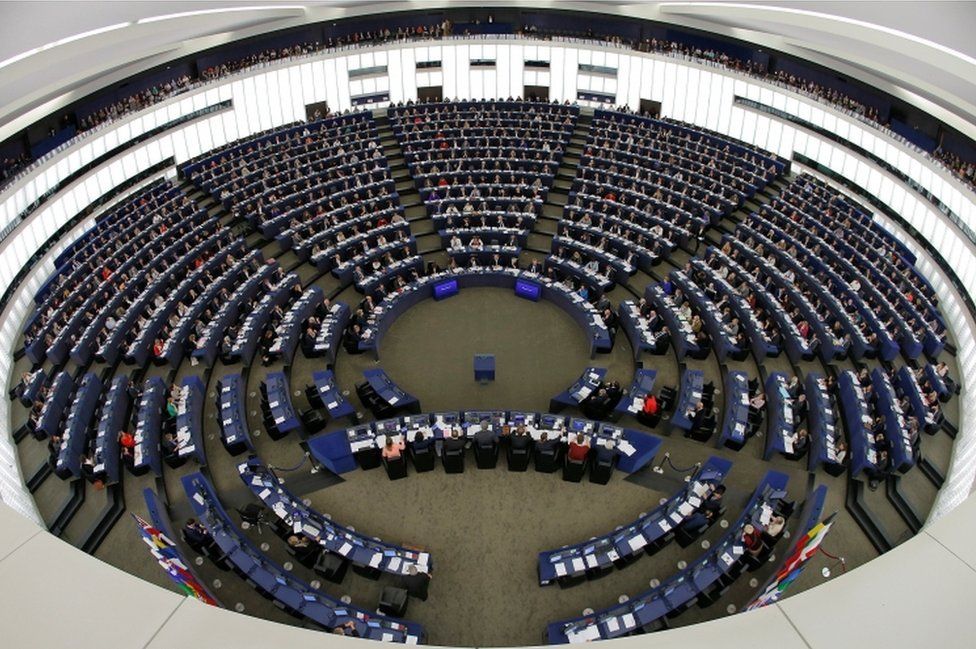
point(545, 444)
point(713, 501)
point(454, 442)
point(484, 437)
point(303, 548)
point(606, 452)
point(520, 439)
point(421, 442)
point(392, 450)
point(579, 448)
point(698, 522)
point(649, 411)
point(752, 540)
point(197, 536)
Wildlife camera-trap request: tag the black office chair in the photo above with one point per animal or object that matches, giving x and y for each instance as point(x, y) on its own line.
point(254, 515)
point(571, 580)
point(313, 396)
point(331, 567)
point(423, 460)
point(601, 470)
point(547, 461)
point(314, 420)
point(573, 470)
point(518, 458)
point(666, 399)
point(486, 457)
point(369, 458)
point(393, 601)
point(368, 572)
point(453, 461)
point(396, 468)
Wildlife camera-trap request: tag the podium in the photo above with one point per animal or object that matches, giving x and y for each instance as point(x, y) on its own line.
point(484, 367)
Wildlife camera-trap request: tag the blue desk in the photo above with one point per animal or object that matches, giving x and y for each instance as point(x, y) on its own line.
point(857, 420)
point(232, 414)
point(641, 338)
point(780, 432)
point(824, 429)
point(692, 387)
point(392, 306)
point(736, 422)
point(291, 327)
point(58, 397)
point(484, 367)
point(112, 421)
point(908, 385)
point(584, 386)
point(700, 577)
point(895, 427)
point(189, 420)
point(390, 392)
point(337, 450)
point(149, 421)
point(282, 586)
point(278, 394)
point(329, 337)
point(74, 435)
point(329, 395)
point(354, 546)
point(633, 402)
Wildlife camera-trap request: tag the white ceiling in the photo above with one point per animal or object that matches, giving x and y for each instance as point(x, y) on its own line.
point(921, 51)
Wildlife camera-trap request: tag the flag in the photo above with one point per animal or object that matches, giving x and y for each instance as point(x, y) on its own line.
point(803, 549)
point(168, 556)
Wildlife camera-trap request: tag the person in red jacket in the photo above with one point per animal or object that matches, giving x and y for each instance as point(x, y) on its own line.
point(579, 448)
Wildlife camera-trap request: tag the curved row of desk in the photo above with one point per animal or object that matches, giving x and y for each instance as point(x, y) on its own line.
point(287, 591)
point(525, 283)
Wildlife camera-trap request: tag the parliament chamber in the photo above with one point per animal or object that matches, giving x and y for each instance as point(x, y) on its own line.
point(486, 326)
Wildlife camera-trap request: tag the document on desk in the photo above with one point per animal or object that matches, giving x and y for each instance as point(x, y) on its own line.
point(560, 569)
point(613, 625)
point(345, 549)
point(393, 399)
point(675, 517)
point(685, 509)
point(375, 560)
point(629, 621)
point(387, 637)
point(591, 561)
point(626, 448)
point(331, 405)
point(578, 565)
point(664, 524)
point(394, 564)
point(264, 494)
point(585, 634)
point(699, 489)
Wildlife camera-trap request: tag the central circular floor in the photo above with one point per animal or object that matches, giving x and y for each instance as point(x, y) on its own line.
point(539, 351)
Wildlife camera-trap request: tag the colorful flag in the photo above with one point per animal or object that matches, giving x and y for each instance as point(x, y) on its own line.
point(803, 549)
point(168, 556)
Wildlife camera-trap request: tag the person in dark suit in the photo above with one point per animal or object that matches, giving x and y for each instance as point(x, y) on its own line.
point(454, 442)
point(420, 442)
point(520, 439)
point(606, 452)
point(697, 417)
point(197, 536)
point(484, 437)
point(546, 445)
point(713, 502)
